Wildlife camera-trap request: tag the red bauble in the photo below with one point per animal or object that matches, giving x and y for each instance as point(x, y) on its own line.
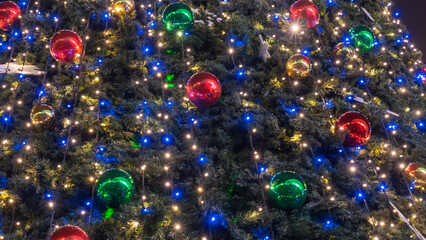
point(9, 14)
point(66, 46)
point(307, 10)
point(356, 127)
point(203, 89)
point(69, 232)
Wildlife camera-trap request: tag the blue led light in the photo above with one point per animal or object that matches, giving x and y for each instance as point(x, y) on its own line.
point(202, 160)
point(393, 126)
point(329, 104)
point(48, 195)
point(147, 211)
point(106, 15)
point(276, 17)
point(240, 73)
point(397, 14)
point(100, 60)
point(69, 106)
point(349, 98)
point(305, 52)
point(167, 139)
point(88, 203)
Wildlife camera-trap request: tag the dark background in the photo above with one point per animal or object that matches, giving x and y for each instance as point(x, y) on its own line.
point(413, 15)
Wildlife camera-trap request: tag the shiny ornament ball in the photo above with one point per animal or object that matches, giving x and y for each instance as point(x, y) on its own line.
point(203, 89)
point(288, 190)
point(356, 129)
point(417, 172)
point(178, 16)
point(42, 116)
point(66, 46)
point(306, 10)
point(298, 66)
point(344, 53)
point(114, 187)
point(9, 14)
point(69, 232)
point(362, 38)
point(121, 6)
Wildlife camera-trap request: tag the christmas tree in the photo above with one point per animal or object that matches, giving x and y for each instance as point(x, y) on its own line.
point(202, 119)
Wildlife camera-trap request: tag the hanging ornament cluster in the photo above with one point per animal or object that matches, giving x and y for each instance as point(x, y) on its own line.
point(344, 53)
point(362, 38)
point(69, 232)
point(178, 16)
point(288, 190)
point(42, 116)
point(307, 10)
point(298, 66)
point(114, 187)
point(203, 89)
point(66, 46)
point(355, 127)
point(9, 14)
point(121, 6)
point(417, 172)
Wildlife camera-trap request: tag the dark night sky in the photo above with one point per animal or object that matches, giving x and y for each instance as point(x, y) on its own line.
point(413, 15)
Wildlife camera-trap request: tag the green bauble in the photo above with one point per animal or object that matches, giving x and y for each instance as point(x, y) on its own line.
point(178, 16)
point(114, 187)
point(362, 38)
point(288, 190)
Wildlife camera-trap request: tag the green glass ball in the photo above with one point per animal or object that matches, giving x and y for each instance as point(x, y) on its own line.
point(288, 190)
point(114, 187)
point(178, 16)
point(362, 38)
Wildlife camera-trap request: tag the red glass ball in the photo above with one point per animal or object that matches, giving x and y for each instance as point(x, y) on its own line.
point(9, 14)
point(69, 232)
point(307, 10)
point(417, 171)
point(66, 46)
point(356, 127)
point(203, 89)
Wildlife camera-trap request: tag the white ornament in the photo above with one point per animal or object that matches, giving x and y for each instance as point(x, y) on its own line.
point(263, 49)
